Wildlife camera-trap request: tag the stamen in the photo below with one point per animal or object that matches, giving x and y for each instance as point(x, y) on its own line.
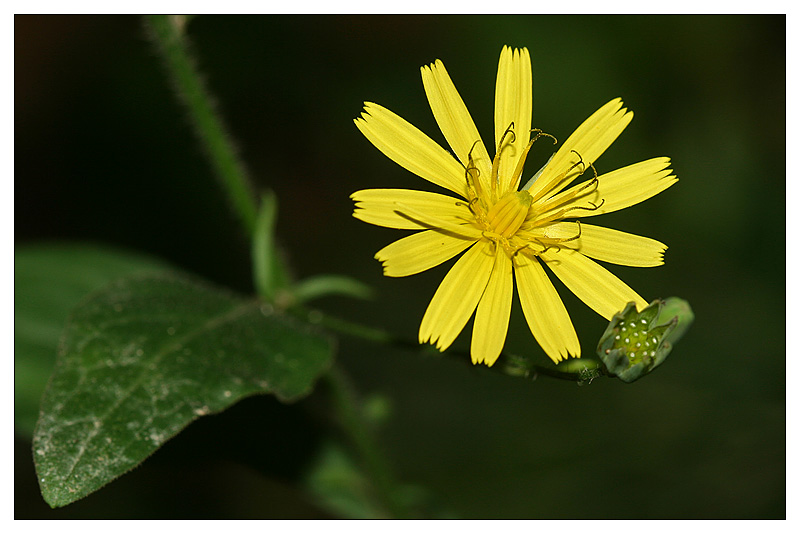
point(469, 155)
point(432, 222)
point(473, 184)
point(562, 214)
point(567, 239)
point(562, 179)
point(509, 130)
point(580, 191)
point(496, 162)
point(594, 207)
point(498, 239)
point(468, 205)
point(540, 133)
point(547, 242)
point(521, 161)
point(591, 165)
point(545, 248)
point(479, 215)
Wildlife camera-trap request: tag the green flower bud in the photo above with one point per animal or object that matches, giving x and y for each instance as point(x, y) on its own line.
point(675, 307)
point(635, 343)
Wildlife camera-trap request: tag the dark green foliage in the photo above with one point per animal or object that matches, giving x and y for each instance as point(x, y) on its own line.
point(144, 357)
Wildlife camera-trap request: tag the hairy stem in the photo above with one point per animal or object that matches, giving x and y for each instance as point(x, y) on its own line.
point(167, 32)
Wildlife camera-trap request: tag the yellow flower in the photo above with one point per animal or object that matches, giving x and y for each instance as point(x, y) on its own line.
point(508, 233)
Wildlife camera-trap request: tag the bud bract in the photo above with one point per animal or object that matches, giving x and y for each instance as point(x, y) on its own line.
point(635, 342)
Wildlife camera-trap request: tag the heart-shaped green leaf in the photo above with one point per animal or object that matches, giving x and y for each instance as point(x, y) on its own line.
point(142, 358)
point(50, 280)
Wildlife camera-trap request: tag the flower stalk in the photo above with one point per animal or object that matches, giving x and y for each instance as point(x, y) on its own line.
point(581, 371)
point(167, 33)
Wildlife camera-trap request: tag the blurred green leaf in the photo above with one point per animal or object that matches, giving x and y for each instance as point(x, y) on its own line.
point(50, 280)
point(330, 284)
point(270, 272)
point(145, 356)
point(339, 486)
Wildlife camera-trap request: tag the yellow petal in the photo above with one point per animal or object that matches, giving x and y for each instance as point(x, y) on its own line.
point(599, 289)
point(633, 184)
point(457, 296)
point(454, 119)
point(545, 312)
point(494, 309)
point(410, 148)
point(590, 140)
point(380, 207)
point(419, 252)
point(621, 188)
point(606, 244)
point(513, 104)
point(434, 222)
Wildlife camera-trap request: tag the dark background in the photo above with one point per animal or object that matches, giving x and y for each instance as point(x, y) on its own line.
point(104, 153)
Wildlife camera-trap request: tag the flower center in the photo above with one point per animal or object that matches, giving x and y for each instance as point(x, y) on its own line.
point(502, 220)
point(508, 213)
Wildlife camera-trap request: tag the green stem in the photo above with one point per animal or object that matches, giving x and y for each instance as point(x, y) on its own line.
point(525, 369)
point(168, 35)
point(354, 422)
